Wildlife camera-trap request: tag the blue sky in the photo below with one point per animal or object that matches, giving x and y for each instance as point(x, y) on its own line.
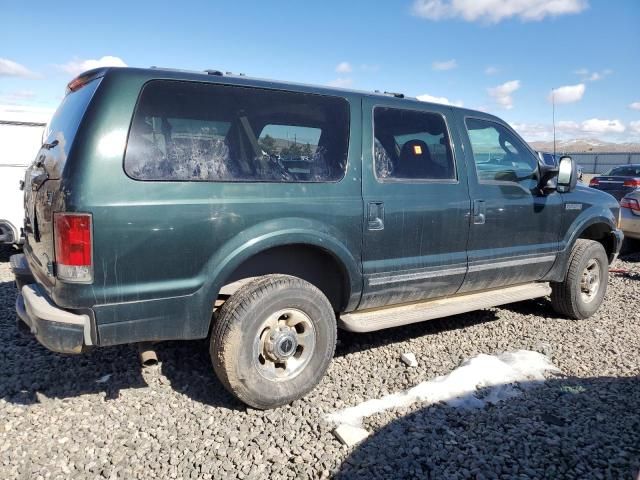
point(503, 56)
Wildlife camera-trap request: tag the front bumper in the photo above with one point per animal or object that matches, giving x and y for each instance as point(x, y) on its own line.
point(57, 329)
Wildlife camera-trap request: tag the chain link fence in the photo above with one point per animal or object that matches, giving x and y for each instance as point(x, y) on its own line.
point(599, 163)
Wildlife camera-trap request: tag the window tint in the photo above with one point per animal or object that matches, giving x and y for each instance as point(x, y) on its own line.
point(499, 154)
point(410, 144)
point(197, 131)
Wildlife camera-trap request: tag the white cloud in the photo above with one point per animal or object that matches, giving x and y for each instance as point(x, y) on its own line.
point(567, 93)
point(342, 82)
point(344, 67)
point(9, 68)
point(371, 68)
point(17, 96)
point(76, 66)
point(491, 70)
point(596, 125)
point(443, 100)
point(594, 128)
point(502, 94)
point(635, 106)
point(444, 65)
point(589, 76)
point(25, 113)
point(494, 11)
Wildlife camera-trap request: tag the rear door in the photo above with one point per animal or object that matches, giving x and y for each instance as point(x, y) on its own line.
point(515, 230)
point(42, 190)
point(416, 203)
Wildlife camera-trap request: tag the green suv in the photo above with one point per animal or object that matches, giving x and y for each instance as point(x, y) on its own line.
point(264, 215)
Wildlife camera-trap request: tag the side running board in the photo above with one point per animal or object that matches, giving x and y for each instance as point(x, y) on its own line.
point(387, 317)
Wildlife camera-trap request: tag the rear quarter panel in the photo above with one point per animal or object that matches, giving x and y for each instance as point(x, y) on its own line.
point(177, 240)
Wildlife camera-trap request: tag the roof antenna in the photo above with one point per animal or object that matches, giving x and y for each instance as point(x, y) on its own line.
point(553, 109)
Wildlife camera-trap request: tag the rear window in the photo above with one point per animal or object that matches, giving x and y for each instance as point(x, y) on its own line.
point(627, 171)
point(64, 125)
point(411, 145)
point(188, 131)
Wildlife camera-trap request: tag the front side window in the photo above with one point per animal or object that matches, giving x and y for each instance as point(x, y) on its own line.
point(499, 155)
point(196, 131)
point(411, 145)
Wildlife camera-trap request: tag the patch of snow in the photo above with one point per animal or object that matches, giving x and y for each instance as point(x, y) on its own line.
point(495, 375)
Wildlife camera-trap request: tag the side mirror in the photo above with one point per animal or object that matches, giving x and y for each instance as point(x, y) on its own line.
point(567, 174)
point(546, 175)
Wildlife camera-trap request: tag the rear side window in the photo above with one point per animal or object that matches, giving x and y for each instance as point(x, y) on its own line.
point(411, 145)
point(63, 126)
point(202, 132)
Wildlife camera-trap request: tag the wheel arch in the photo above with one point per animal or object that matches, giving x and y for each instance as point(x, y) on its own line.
point(599, 228)
point(314, 255)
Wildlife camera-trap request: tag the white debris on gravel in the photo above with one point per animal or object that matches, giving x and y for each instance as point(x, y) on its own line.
point(409, 359)
point(350, 435)
point(104, 378)
point(494, 376)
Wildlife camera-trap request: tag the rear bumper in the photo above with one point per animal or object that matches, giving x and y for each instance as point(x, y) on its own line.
point(629, 223)
point(55, 328)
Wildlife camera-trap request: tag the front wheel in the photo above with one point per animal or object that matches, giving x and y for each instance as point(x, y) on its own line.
point(585, 284)
point(273, 340)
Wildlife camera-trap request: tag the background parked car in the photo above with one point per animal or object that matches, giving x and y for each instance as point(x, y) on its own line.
point(630, 219)
point(618, 181)
point(20, 141)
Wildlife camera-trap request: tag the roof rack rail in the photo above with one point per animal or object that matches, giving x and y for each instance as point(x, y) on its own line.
point(393, 94)
point(215, 72)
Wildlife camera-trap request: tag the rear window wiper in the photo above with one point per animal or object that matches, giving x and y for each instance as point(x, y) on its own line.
point(49, 146)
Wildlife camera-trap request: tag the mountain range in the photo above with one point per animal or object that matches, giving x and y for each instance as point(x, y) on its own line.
point(585, 145)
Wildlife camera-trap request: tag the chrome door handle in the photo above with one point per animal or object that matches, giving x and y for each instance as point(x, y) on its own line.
point(479, 212)
point(375, 216)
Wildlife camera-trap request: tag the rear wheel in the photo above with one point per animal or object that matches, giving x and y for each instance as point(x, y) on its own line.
point(273, 340)
point(585, 284)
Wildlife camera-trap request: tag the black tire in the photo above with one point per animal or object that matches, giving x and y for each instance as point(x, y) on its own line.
point(567, 296)
point(239, 330)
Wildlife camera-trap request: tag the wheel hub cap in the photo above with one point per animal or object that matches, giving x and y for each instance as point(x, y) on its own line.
point(281, 344)
point(284, 345)
point(590, 282)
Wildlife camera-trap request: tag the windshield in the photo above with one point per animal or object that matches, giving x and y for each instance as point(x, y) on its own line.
point(63, 127)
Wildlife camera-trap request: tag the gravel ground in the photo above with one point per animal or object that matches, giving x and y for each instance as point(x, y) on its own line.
point(176, 421)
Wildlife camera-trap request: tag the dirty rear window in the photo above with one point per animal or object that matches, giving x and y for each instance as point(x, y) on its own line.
point(64, 125)
point(188, 131)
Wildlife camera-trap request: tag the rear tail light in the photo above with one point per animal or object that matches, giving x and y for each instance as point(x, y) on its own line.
point(633, 183)
point(594, 182)
point(73, 247)
point(630, 203)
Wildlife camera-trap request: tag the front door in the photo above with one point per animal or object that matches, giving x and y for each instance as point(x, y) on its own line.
point(514, 235)
point(416, 203)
